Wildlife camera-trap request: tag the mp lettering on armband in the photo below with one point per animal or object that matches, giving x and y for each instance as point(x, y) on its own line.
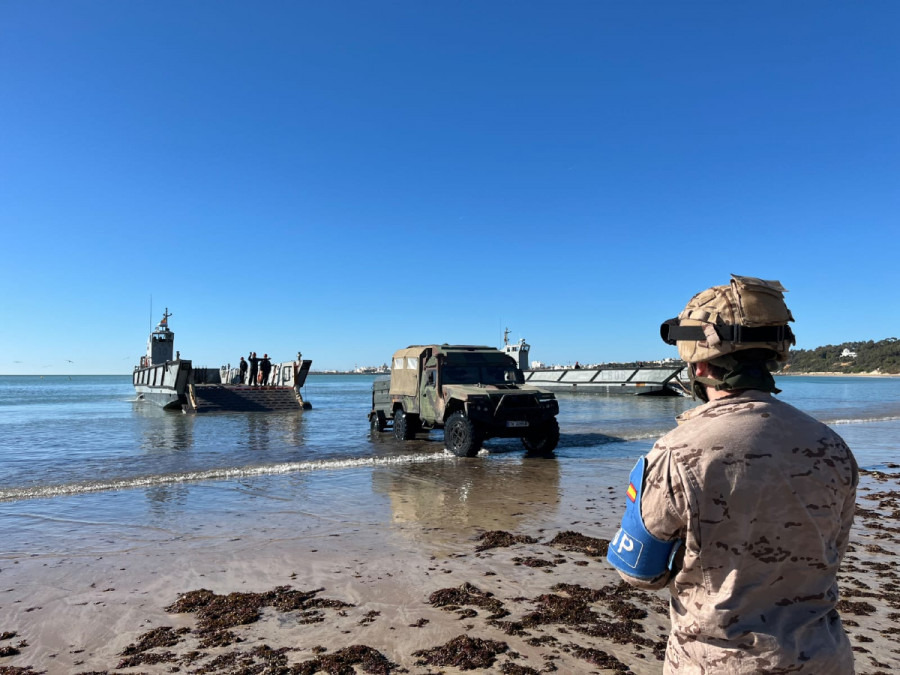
point(627, 548)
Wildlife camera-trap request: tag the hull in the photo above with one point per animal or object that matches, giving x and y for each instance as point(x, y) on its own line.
point(165, 398)
point(164, 384)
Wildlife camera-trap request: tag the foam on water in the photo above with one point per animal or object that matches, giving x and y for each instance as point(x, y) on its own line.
point(12, 494)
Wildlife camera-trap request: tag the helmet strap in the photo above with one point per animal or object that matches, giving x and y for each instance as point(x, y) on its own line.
point(698, 384)
point(740, 374)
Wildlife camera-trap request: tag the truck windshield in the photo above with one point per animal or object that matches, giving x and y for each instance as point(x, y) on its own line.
point(481, 375)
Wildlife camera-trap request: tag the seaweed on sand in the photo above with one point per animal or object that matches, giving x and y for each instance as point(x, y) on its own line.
point(600, 658)
point(572, 608)
point(136, 653)
point(500, 539)
point(164, 636)
point(217, 613)
point(575, 541)
point(261, 659)
point(463, 652)
point(342, 661)
point(450, 599)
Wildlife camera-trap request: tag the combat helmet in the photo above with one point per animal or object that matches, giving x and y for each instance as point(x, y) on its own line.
point(718, 323)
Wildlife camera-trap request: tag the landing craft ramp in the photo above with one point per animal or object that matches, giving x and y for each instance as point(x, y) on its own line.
point(204, 398)
point(640, 381)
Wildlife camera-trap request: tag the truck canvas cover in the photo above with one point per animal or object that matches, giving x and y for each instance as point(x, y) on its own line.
point(405, 371)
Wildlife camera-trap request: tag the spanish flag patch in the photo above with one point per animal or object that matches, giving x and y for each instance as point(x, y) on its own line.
point(632, 493)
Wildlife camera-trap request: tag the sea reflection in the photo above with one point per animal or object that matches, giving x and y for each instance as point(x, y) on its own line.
point(435, 502)
point(163, 431)
point(266, 431)
point(259, 431)
point(162, 499)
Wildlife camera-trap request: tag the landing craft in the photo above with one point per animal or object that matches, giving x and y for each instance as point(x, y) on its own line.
point(644, 380)
point(162, 377)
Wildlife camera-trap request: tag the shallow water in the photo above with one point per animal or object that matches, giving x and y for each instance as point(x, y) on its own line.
point(86, 468)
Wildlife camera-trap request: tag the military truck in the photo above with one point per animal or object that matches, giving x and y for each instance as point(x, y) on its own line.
point(472, 393)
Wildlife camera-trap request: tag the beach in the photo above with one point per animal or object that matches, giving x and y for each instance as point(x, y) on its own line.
point(509, 580)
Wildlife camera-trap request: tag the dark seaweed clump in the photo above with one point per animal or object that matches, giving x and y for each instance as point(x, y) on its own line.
point(136, 653)
point(147, 658)
point(10, 650)
point(260, 659)
point(535, 562)
point(217, 613)
point(164, 636)
point(858, 608)
point(570, 606)
point(600, 658)
point(575, 541)
point(515, 669)
point(451, 599)
point(463, 652)
point(343, 660)
point(501, 539)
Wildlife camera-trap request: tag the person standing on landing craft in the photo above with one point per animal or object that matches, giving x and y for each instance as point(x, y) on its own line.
point(265, 367)
point(243, 370)
point(744, 510)
point(254, 368)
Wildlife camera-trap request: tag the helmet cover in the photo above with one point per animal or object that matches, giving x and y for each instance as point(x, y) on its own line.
point(749, 313)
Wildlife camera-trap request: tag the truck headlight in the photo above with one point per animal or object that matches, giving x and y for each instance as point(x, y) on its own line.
point(479, 403)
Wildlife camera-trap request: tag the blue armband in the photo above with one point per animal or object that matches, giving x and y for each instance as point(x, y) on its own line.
point(634, 550)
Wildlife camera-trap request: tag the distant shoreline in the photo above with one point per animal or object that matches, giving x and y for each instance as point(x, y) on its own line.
point(833, 374)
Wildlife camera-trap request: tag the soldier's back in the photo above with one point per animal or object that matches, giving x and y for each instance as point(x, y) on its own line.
point(768, 495)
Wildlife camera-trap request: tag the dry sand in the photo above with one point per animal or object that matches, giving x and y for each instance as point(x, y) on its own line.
point(520, 588)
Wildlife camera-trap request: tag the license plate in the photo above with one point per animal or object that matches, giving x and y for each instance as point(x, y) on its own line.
point(517, 423)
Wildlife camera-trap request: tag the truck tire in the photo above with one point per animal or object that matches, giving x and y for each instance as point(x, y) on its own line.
point(461, 436)
point(377, 421)
point(403, 430)
point(544, 439)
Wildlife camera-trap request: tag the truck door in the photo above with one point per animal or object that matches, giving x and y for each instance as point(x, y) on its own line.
point(428, 392)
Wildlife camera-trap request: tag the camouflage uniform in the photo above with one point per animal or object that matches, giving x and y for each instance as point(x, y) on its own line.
point(763, 496)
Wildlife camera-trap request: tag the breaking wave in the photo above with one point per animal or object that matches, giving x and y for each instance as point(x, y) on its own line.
point(88, 487)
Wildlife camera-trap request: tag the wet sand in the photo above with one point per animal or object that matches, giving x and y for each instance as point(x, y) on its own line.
point(460, 570)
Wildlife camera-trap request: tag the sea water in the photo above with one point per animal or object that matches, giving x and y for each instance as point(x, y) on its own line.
point(84, 466)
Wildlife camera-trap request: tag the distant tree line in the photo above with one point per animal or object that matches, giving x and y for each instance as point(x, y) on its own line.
point(882, 356)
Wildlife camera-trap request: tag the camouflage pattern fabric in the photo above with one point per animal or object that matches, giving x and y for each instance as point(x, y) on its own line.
point(763, 496)
point(747, 301)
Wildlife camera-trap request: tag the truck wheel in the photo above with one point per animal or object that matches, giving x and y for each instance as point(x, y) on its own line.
point(461, 436)
point(402, 429)
point(543, 440)
point(377, 421)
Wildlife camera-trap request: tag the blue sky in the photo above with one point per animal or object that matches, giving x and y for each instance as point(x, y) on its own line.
point(349, 178)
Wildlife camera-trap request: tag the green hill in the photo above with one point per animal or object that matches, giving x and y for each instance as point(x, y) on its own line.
point(882, 356)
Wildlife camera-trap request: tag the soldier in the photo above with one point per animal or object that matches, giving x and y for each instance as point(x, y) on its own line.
point(745, 508)
point(265, 366)
point(254, 368)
